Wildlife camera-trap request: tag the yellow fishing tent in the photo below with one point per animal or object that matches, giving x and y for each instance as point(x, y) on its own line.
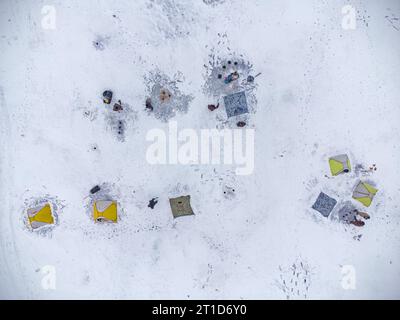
point(40, 216)
point(105, 210)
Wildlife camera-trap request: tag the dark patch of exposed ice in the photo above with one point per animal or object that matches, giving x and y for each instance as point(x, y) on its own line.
point(100, 42)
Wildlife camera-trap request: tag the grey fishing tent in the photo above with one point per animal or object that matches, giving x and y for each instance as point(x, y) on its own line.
point(181, 206)
point(236, 104)
point(324, 204)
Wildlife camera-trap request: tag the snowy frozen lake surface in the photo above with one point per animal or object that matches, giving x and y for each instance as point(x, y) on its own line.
point(323, 87)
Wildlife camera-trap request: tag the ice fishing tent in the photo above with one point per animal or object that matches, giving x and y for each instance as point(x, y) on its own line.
point(40, 216)
point(105, 210)
point(324, 204)
point(235, 104)
point(364, 193)
point(181, 206)
point(339, 164)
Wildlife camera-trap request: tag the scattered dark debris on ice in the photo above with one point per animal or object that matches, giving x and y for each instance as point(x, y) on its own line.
point(394, 21)
point(295, 280)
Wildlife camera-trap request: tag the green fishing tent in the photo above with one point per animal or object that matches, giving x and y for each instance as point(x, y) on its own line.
point(364, 193)
point(339, 164)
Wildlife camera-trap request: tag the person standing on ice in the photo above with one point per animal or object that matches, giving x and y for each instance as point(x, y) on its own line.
point(212, 107)
point(232, 77)
point(149, 105)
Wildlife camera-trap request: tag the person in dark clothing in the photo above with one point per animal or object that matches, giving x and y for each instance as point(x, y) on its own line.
point(212, 107)
point(250, 79)
point(149, 106)
point(152, 203)
point(94, 189)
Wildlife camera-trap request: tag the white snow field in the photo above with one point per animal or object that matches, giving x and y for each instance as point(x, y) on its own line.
point(329, 85)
